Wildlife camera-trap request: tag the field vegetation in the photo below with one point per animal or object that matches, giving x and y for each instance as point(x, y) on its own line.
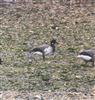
point(25, 26)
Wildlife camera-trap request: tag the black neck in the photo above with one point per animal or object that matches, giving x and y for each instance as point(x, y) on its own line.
point(53, 47)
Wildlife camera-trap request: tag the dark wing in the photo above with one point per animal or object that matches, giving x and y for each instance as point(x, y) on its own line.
point(92, 52)
point(87, 53)
point(41, 49)
point(36, 49)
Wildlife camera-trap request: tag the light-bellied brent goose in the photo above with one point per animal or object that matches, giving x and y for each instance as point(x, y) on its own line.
point(87, 56)
point(45, 49)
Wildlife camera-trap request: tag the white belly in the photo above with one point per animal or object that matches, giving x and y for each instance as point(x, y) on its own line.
point(48, 50)
point(38, 53)
point(84, 57)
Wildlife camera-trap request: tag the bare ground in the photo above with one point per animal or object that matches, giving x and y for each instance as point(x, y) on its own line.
point(62, 95)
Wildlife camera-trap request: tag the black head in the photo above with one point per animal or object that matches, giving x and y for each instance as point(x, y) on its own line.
point(53, 41)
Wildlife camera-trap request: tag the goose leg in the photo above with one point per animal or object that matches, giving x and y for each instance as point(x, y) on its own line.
point(86, 62)
point(92, 63)
point(0, 61)
point(43, 56)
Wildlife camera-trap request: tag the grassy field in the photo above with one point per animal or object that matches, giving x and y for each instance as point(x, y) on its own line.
point(23, 27)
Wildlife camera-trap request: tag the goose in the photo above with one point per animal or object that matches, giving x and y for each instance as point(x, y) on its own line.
point(45, 49)
point(87, 56)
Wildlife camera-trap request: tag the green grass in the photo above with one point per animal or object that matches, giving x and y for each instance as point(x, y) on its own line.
point(23, 27)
